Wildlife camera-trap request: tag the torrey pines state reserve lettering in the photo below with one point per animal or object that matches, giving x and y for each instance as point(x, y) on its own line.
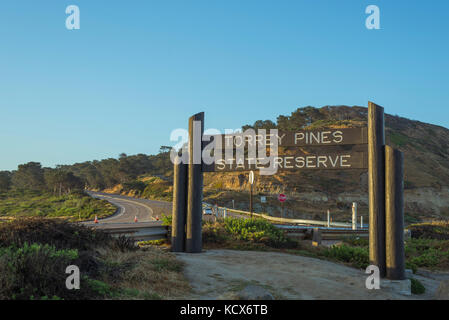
point(344, 160)
point(323, 137)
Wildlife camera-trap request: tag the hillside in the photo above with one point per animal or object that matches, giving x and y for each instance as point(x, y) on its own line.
point(311, 193)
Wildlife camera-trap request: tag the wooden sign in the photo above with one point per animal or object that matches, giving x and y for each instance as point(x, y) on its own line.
point(301, 138)
point(310, 161)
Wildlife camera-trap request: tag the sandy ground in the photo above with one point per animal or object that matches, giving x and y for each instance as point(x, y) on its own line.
point(214, 272)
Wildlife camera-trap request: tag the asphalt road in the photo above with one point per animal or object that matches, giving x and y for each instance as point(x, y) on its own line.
point(145, 210)
point(129, 208)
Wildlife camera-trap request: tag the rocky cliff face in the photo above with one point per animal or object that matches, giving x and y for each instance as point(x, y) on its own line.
point(312, 193)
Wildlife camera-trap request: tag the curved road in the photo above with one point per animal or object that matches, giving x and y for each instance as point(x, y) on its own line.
point(128, 207)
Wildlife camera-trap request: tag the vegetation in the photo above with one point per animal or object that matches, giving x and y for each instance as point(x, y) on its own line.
point(398, 139)
point(34, 254)
point(166, 220)
point(74, 206)
point(430, 230)
point(258, 231)
point(417, 286)
point(65, 179)
point(245, 234)
point(158, 189)
point(356, 256)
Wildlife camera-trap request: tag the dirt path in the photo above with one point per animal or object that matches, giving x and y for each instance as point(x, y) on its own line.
point(286, 276)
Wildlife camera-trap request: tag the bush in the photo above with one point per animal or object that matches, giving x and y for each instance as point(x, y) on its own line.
point(74, 206)
point(214, 233)
point(430, 230)
point(357, 256)
point(167, 220)
point(417, 286)
point(427, 253)
point(134, 185)
point(58, 233)
point(37, 271)
point(259, 231)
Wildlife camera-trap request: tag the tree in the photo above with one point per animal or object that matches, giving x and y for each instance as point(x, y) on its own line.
point(164, 149)
point(29, 176)
point(261, 124)
point(5, 180)
point(62, 181)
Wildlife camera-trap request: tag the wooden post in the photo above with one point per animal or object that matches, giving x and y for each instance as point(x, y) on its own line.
point(376, 185)
point(179, 206)
point(354, 216)
point(394, 213)
point(251, 200)
point(195, 184)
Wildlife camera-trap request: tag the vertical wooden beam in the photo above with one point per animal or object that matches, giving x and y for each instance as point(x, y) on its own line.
point(376, 185)
point(394, 213)
point(195, 185)
point(179, 212)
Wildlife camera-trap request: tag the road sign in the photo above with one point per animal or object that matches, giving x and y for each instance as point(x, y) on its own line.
point(282, 197)
point(300, 138)
point(311, 161)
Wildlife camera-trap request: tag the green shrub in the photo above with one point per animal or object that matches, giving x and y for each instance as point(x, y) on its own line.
point(38, 204)
point(134, 185)
point(356, 241)
point(167, 220)
point(158, 191)
point(214, 233)
point(58, 233)
point(259, 231)
point(37, 271)
point(357, 256)
point(427, 253)
point(417, 286)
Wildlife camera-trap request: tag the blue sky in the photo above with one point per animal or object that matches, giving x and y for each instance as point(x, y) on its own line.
point(136, 70)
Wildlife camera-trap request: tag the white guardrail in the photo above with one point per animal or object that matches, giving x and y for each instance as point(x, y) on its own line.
point(284, 220)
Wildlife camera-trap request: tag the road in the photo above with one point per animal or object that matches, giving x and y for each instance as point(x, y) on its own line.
point(128, 208)
point(145, 210)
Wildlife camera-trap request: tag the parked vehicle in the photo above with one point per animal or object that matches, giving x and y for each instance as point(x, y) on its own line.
point(207, 211)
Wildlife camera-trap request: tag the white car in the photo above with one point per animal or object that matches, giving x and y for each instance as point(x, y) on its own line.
point(207, 211)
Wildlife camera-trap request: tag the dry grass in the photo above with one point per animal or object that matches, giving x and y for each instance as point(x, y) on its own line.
point(151, 272)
